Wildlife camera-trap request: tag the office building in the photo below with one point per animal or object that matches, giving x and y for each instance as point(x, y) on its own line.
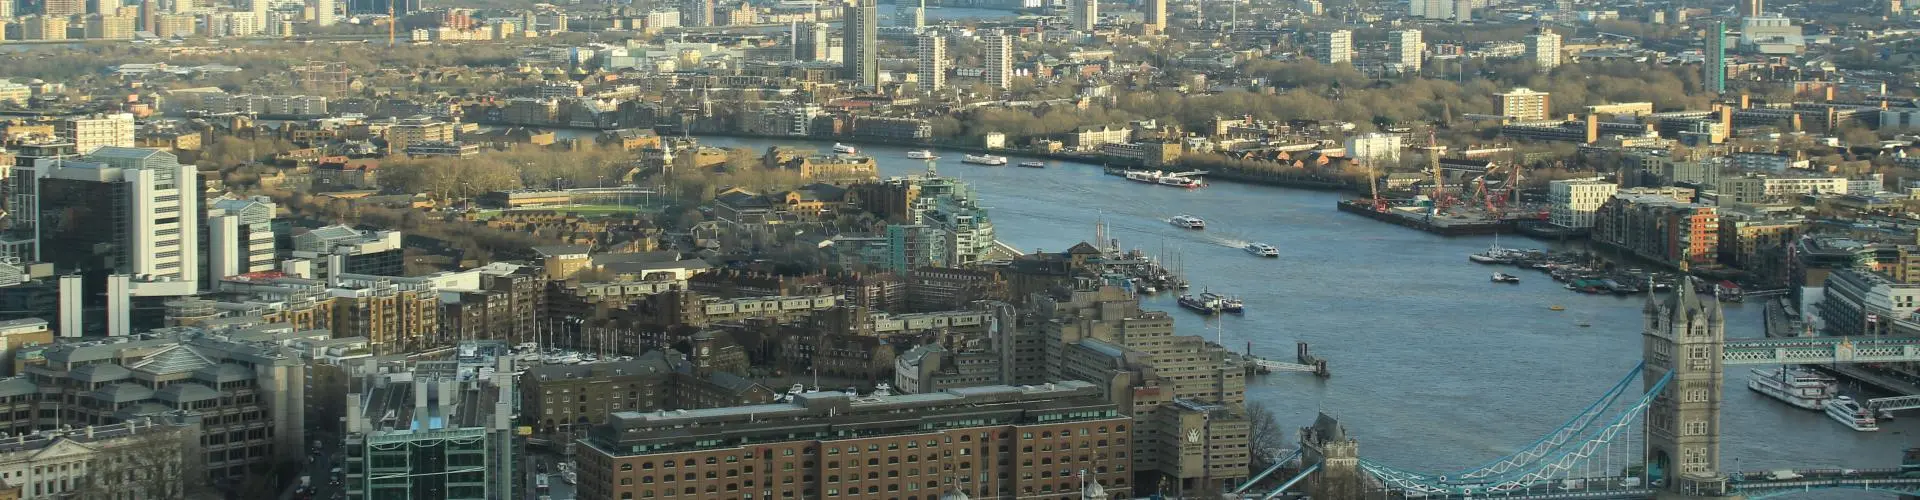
point(249, 397)
point(434, 429)
point(239, 237)
point(1058, 440)
point(1156, 16)
point(1407, 50)
point(1333, 47)
point(142, 459)
point(1714, 69)
point(341, 249)
point(92, 131)
point(1858, 301)
point(1572, 203)
point(696, 13)
point(999, 60)
point(1543, 48)
point(1523, 104)
point(1083, 15)
point(933, 61)
point(861, 31)
point(125, 218)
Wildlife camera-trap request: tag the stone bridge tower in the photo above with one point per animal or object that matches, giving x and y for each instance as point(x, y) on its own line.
point(1326, 443)
point(1684, 337)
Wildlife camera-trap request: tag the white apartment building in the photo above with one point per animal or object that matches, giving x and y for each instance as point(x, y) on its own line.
point(999, 60)
point(933, 61)
point(1408, 49)
point(1380, 148)
point(1573, 202)
point(1543, 49)
point(1765, 189)
point(1333, 47)
point(93, 131)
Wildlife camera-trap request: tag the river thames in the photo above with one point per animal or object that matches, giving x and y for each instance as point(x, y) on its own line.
point(1434, 367)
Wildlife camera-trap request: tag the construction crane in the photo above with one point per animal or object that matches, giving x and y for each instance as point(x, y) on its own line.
point(392, 22)
point(1439, 178)
point(1373, 187)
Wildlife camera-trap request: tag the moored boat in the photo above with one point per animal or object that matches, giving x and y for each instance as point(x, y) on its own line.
point(1199, 303)
point(1801, 388)
point(989, 160)
point(845, 149)
point(921, 155)
point(1224, 303)
point(1182, 179)
point(1849, 413)
point(1034, 164)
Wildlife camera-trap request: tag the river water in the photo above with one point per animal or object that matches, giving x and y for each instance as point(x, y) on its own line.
point(1435, 368)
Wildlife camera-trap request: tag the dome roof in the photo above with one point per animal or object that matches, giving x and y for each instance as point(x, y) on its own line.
point(955, 495)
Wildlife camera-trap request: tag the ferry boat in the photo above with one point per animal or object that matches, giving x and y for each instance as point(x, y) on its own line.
point(1205, 303)
point(1499, 277)
point(985, 160)
point(1263, 250)
point(1187, 221)
point(1801, 388)
point(921, 155)
point(1034, 164)
point(1848, 412)
point(845, 149)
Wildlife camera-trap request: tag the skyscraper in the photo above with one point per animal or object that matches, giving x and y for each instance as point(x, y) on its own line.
point(933, 61)
point(696, 13)
point(1543, 48)
point(1407, 50)
point(810, 42)
point(1156, 21)
point(116, 210)
point(862, 32)
point(1083, 14)
point(1333, 47)
point(1714, 71)
point(323, 12)
point(999, 59)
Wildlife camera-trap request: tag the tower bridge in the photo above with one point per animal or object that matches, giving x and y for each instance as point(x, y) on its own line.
point(1676, 408)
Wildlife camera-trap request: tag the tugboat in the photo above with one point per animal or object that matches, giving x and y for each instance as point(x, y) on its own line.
point(1205, 303)
point(839, 148)
point(1500, 277)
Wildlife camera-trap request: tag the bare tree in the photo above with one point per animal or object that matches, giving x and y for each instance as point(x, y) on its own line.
point(1264, 435)
point(159, 462)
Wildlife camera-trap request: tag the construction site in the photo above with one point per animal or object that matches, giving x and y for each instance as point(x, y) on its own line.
point(1460, 197)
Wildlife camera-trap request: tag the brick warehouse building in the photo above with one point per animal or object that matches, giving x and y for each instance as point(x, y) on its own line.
point(1025, 442)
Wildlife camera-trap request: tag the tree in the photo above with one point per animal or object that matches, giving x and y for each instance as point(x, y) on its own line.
point(159, 462)
point(1264, 435)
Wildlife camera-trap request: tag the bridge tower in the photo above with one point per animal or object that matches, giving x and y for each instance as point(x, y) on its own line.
point(1326, 443)
point(1685, 336)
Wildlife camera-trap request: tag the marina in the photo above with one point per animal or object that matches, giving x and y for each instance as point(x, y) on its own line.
point(1349, 286)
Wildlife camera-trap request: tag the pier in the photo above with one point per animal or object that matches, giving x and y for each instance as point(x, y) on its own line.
point(1307, 363)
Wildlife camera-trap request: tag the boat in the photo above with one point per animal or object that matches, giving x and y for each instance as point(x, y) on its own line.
point(1199, 303)
point(1224, 303)
point(1263, 250)
point(1556, 307)
point(921, 155)
point(839, 148)
point(990, 160)
point(1034, 164)
point(1183, 179)
point(1848, 412)
point(1499, 277)
point(1802, 388)
point(1187, 221)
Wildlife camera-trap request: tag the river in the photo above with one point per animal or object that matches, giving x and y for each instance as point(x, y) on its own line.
point(1434, 367)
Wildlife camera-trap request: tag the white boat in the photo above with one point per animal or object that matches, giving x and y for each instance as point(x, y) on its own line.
point(1262, 249)
point(921, 155)
point(985, 160)
point(845, 149)
point(1802, 388)
point(1187, 221)
point(1034, 164)
point(1848, 412)
point(1183, 179)
point(1500, 277)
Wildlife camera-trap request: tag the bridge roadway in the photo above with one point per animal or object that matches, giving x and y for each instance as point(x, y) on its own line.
point(1754, 485)
point(1820, 350)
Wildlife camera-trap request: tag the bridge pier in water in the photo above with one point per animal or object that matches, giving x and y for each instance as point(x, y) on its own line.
point(1683, 345)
